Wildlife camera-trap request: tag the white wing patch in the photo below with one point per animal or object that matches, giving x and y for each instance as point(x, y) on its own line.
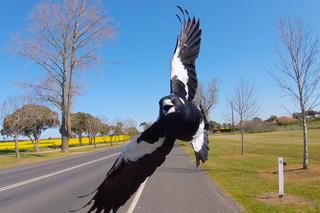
point(134, 151)
point(182, 100)
point(178, 69)
point(198, 138)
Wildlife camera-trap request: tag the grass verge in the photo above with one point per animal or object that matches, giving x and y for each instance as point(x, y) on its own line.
point(252, 179)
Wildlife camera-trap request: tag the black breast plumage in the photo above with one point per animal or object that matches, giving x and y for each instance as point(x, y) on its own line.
point(184, 123)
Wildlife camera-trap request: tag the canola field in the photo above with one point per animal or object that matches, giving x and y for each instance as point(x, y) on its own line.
point(55, 143)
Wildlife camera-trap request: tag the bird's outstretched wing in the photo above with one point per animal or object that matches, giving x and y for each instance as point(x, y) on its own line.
point(139, 160)
point(200, 141)
point(183, 72)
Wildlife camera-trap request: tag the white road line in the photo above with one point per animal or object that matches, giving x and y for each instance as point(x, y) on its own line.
point(136, 197)
point(54, 173)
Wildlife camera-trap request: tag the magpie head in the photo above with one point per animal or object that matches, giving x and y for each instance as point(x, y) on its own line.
point(171, 104)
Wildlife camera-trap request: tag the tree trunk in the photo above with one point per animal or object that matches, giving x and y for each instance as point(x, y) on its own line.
point(64, 134)
point(242, 148)
point(37, 147)
point(80, 139)
point(33, 143)
point(90, 140)
point(305, 129)
point(94, 141)
point(36, 143)
point(16, 140)
point(65, 107)
point(68, 125)
point(64, 143)
point(305, 142)
point(111, 140)
point(232, 118)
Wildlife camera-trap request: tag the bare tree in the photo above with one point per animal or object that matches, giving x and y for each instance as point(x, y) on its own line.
point(105, 130)
point(63, 38)
point(129, 122)
point(298, 74)
point(117, 127)
point(245, 105)
point(105, 127)
point(207, 96)
point(130, 127)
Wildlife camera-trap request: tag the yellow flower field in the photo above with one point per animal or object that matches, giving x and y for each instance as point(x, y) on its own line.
point(49, 143)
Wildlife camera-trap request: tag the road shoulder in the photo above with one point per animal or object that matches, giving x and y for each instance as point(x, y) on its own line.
point(177, 186)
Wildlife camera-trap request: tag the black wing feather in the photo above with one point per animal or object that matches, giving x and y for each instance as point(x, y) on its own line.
point(125, 176)
point(186, 51)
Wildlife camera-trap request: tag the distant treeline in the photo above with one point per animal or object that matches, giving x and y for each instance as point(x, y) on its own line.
point(271, 124)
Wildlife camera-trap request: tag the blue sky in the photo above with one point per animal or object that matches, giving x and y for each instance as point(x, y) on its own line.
point(239, 41)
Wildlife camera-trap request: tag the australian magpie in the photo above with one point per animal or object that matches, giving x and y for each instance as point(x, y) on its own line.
point(179, 119)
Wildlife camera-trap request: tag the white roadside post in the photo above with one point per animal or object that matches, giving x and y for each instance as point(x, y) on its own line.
point(281, 177)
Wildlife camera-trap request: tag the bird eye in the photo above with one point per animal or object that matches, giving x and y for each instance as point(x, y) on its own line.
point(174, 101)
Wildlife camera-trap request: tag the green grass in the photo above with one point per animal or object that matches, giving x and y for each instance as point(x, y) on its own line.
point(252, 179)
point(34, 157)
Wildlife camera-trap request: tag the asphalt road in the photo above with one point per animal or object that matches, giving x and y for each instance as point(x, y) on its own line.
point(53, 186)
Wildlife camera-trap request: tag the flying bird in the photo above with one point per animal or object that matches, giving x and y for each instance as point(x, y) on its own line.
point(179, 119)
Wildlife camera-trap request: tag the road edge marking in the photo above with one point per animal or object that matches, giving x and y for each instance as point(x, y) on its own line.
point(54, 173)
point(137, 197)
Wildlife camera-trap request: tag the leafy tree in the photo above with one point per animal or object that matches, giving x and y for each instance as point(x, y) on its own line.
point(118, 128)
point(286, 120)
point(257, 125)
point(105, 130)
point(12, 120)
point(225, 126)
point(13, 125)
point(79, 124)
point(311, 113)
point(132, 131)
point(272, 118)
point(30, 121)
point(130, 127)
point(214, 126)
point(93, 128)
point(37, 119)
point(296, 115)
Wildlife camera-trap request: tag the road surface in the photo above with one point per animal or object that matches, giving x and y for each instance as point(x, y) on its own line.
point(53, 186)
